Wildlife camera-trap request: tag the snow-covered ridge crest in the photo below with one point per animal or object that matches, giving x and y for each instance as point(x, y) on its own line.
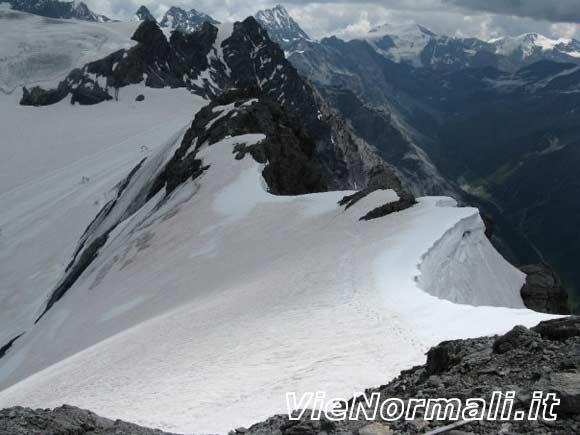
point(231, 276)
point(463, 267)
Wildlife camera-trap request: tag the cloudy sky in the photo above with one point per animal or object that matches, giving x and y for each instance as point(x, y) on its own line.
point(482, 18)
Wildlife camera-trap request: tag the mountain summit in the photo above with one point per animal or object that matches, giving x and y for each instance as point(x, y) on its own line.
point(143, 14)
point(282, 28)
point(185, 21)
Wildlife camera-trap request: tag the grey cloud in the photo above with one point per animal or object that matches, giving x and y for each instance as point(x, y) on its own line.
point(565, 11)
point(323, 17)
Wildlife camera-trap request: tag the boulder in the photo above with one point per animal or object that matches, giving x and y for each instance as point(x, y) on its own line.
point(543, 290)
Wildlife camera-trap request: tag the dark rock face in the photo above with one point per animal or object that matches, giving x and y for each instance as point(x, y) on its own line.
point(5, 348)
point(57, 9)
point(522, 361)
point(405, 201)
point(143, 14)
point(65, 420)
point(543, 290)
point(444, 356)
point(155, 60)
point(292, 166)
point(559, 330)
point(517, 338)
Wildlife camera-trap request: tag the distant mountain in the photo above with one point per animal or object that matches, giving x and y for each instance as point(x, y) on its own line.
point(499, 119)
point(532, 47)
point(57, 9)
point(282, 28)
point(400, 43)
point(185, 21)
point(418, 46)
point(143, 14)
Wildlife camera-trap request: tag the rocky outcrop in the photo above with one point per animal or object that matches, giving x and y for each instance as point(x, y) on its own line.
point(65, 420)
point(405, 201)
point(5, 348)
point(544, 291)
point(545, 358)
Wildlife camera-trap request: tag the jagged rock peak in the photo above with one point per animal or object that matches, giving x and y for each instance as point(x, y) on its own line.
point(281, 27)
point(143, 14)
point(185, 21)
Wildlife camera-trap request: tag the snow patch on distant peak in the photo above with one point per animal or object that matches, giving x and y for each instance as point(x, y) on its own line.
point(400, 42)
point(530, 42)
point(403, 29)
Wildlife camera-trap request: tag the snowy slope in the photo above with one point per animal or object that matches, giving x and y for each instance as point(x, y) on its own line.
point(55, 177)
point(202, 310)
point(204, 307)
point(35, 49)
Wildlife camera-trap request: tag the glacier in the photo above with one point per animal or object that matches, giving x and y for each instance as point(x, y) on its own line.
point(206, 306)
point(204, 309)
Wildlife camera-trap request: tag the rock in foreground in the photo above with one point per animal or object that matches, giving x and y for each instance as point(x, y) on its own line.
point(65, 420)
point(545, 358)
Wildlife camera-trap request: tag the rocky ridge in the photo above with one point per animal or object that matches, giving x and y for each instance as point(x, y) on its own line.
point(246, 74)
point(185, 21)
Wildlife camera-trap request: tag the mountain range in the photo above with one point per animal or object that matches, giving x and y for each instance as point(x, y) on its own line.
point(492, 123)
point(420, 47)
point(406, 111)
point(57, 9)
point(177, 18)
point(196, 222)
